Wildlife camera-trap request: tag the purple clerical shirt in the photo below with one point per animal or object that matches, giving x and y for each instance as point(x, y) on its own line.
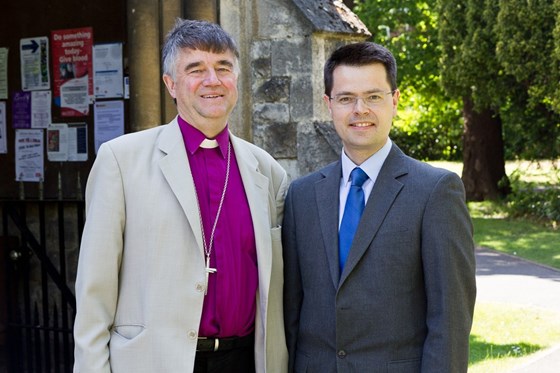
point(229, 306)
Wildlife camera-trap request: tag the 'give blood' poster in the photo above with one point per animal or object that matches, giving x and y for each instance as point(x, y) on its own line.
point(72, 70)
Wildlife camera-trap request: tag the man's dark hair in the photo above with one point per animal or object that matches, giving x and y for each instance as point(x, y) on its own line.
point(360, 54)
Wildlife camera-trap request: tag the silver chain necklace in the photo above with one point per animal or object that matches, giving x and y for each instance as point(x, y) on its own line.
point(208, 248)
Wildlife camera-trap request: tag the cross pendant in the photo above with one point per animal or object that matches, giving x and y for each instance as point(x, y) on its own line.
point(208, 270)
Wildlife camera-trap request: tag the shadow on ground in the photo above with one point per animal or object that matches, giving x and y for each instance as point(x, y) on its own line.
point(482, 350)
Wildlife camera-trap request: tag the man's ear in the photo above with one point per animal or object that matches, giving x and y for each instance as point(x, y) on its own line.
point(327, 100)
point(395, 98)
point(170, 84)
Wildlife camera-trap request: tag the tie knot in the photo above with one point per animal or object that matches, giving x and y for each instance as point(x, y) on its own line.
point(358, 177)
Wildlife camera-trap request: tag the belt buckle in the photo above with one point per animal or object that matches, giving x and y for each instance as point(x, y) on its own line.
point(216, 342)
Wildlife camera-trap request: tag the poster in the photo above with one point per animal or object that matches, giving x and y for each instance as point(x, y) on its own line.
point(3, 139)
point(29, 155)
point(108, 70)
point(21, 109)
point(108, 119)
point(3, 73)
point(72, 70)
point(126, 87)
point(31, 109)
point(34, 58)
point(40, 109)
point(67, 142)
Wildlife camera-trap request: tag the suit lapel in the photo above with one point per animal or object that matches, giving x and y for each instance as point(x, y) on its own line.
point(176, 169)
point(384, 192)
point(256, 190)
point(327, 206)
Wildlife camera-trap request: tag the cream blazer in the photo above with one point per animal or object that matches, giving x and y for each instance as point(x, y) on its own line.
point(141, 280)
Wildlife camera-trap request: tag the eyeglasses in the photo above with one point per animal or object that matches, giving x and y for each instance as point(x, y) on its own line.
point(370, 100)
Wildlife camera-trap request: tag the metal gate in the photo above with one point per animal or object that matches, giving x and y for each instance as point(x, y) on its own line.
point(39, 242)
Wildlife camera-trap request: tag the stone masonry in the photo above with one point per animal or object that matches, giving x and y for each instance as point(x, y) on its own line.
point(288, 43)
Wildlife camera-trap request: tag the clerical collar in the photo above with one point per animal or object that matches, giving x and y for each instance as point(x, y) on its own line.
point(209, 144)
point(195, 139)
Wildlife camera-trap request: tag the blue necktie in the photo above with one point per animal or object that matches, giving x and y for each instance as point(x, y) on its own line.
point(353, 210)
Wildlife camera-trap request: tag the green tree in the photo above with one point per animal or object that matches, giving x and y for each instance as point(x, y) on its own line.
point(499, 62)
point(429, 123)
point(525, 48)
point(555, 91)
point(502, 57)
point(470, 71)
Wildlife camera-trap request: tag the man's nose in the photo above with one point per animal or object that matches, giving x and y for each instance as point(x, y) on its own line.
point(360, 106)
point(211, 78)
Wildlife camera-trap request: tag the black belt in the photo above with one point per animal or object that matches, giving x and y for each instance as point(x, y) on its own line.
point(205, 344)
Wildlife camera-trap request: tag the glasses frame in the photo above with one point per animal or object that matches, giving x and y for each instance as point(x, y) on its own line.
point(354, 99)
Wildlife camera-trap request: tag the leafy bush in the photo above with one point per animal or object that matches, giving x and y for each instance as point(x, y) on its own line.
point(531, 131)
point(531, 200)
point(428, 128)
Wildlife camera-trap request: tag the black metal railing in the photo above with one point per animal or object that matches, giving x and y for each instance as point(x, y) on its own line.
point(40, 241)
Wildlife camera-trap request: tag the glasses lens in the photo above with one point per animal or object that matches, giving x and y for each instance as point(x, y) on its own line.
point(371, 100)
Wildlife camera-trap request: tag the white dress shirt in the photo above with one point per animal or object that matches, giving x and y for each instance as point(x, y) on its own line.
point(371, 167)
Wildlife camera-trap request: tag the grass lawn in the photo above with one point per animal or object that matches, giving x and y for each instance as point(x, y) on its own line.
point(531, 171)
point(505, 336)
point(522, 238)
point(526, 239)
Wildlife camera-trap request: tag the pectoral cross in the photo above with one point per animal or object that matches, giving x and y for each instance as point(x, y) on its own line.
point(208, 270)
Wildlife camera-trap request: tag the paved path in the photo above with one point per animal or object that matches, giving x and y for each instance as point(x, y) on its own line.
point(509, 279)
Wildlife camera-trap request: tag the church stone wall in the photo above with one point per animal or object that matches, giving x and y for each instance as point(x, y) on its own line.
point(282, 78)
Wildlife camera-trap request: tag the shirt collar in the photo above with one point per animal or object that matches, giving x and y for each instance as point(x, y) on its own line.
point(370, 166)
point(193, 137)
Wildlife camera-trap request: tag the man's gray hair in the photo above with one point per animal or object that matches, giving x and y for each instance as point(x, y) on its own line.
point(194, 34)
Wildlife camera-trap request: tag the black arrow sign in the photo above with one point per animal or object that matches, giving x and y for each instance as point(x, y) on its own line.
point(33, 46)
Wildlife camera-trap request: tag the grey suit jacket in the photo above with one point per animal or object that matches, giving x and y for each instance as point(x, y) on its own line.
point(141, 280)
point(404, 301)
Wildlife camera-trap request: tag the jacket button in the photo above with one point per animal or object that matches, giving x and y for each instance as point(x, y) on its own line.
point(200, 287)
point(192, 334)
point(341, 354)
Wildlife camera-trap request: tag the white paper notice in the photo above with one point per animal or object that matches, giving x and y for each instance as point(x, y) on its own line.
point(57, 142)
point(40, 109)
point(108, 70)
point(126, 87)
point(3, 140)
point(29, 155)
point(77, 142)
point(67, 142)
point(34, 56)
point(108, 119)
point(74, 95)
point(3, 73)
